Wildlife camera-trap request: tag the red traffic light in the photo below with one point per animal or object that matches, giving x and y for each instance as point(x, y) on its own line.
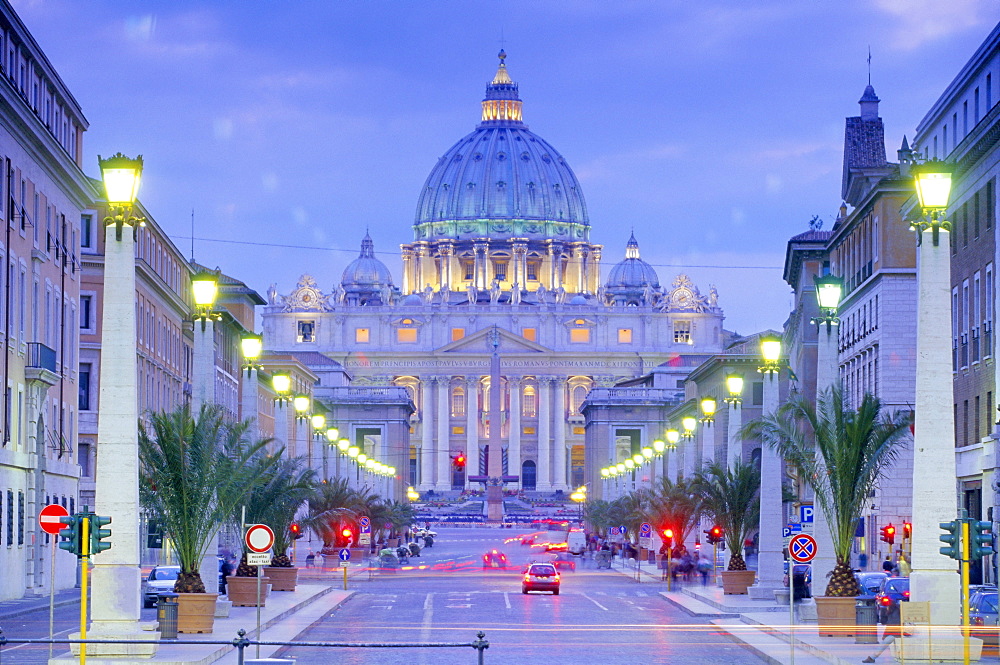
point(347, 533)
point(460, 461)
point(295, 529)
point(907, 530)
point(889, 534)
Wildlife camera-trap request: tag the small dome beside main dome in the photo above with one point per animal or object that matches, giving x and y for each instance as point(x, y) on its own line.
point(366, 271)
point(632, 272)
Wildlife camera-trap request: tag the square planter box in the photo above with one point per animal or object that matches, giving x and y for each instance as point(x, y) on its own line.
point(242, 591)
point(196, 612)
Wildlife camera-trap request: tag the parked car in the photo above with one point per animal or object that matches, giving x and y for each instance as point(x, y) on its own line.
point(983, 615)
point(870, 583)
point(160, 579)
point(541, 577)
point(803, 578)
point(563, 561)
point(893, 591)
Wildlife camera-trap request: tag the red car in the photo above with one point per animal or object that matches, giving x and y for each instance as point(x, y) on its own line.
point(541, 577)
point(494, 559)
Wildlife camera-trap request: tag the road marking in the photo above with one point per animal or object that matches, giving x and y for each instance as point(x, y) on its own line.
point(460, 606)
point(595, 602)
point(641, 593)
point(506, 599)
point(428, 602)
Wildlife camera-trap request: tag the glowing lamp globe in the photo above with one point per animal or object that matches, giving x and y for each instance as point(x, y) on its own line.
point(121, 177)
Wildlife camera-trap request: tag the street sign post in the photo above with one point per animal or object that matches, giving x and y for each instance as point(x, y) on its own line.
point(366, 527)
point(801, 548)
point(49, 520)
point(365, 537)
point(806, 514)
point(345, 558)
point(259, 558)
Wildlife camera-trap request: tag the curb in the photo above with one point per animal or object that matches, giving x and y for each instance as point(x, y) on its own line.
point(14, 613)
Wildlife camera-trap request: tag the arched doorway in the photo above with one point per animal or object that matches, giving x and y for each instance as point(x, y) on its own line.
point(528, 475)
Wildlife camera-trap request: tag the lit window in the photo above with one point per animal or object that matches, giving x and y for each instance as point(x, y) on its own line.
point(500, 270)
point(468, 270)
point(533, 271)
point(624, 335)
point(406, 335)
point(407, 322)
point(529, 406)
point(362, 335)
point(579, 322)
point(579, 335)
point(306, 331)
point(579, 394)
point(529, 334)
point(682, 332)
point(457, 334)
point(457, 402)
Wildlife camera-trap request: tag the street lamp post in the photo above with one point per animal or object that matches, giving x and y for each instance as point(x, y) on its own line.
point(934, 473)
point(251, 345)
point(770, 562)
point(673, 438)
point(734, 448)
point(708, 407)
point(115, 597)
point(302, 405)
point(829, 289)
point(205, 288)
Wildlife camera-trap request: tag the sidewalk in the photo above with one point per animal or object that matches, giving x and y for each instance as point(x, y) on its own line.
point(763, 627)
point(10, 609)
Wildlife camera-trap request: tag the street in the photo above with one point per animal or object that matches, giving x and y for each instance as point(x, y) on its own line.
point(599, 616)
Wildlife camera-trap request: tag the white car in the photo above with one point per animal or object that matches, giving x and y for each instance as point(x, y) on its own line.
point(160, 579)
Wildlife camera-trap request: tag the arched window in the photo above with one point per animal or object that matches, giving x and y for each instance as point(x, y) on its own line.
point(457, 402)
point(529, 403)
point(579, 394)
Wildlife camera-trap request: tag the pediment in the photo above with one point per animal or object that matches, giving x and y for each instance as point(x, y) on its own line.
point(479, 343)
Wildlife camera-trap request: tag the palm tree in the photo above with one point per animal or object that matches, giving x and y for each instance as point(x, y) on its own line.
point(597, 514)
point(729, 495)
point(334, 505)
point(675, 505)
point(858, 447)
point(276, 497)
point(195, 471)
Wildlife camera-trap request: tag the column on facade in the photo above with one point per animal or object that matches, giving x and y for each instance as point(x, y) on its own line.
point(424, 265)
point(555, 266)
point(594, 270)
point(520, 268)
point(559, 435)
point(407, 270)
point(472, 426)
point(479, 249)
point(770, 561)
point(543, 466)
point(580, 258)
point(446, 250)
point(427, 452)
point(443, 436)
point(514, 434)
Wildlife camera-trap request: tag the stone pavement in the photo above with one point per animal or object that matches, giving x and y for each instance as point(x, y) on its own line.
point(763, 627)
point(14, 608)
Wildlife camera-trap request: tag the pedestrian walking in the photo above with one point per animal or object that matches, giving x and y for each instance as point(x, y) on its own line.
point(887, 565)
point(903, 565)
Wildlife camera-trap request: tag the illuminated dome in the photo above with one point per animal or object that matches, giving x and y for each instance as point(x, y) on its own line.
point(502, 180)
point(366, 279)
point(632, 272)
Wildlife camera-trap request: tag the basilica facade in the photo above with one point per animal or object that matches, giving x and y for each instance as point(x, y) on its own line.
point(501, 241)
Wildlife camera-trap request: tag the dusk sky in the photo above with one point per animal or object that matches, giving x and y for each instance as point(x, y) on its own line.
point(713, 128)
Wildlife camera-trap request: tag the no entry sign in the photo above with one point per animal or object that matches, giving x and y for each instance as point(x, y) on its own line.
point(48, 518)
point(802, 547)
point(259, 538)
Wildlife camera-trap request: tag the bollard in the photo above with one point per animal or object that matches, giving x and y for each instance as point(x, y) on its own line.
point(866, 621)
point(166, 615)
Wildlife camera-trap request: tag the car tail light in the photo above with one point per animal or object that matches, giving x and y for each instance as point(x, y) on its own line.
point(978, 621)
point(906, 594)
point(527, 578)
point(884, 600)
point(557, 577)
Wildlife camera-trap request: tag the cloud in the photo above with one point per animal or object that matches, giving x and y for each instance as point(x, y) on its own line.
point(923, 21)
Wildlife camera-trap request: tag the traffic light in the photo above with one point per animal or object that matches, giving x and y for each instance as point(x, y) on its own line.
point(668, 537)
point(715, 535)
point(952, 537)
point(295, 530)
point(889, 533)
point(70, 536)
point(907, 530)
point(347, 533)
point(459, 461)
point(98, 534)
point(982, 539)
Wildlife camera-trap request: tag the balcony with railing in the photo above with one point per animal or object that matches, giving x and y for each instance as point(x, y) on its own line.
point(40, 364)
point(369, 395)
point(636, 395)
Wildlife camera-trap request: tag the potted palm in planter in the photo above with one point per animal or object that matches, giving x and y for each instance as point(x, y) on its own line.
point(288, 489)
point(194, 472)
point(334, 506)
point(675, 504)
point(842, 453)
point(729, 495)
point(241, 587)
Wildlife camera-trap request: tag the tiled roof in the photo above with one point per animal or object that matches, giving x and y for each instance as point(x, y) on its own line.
point(812, 235)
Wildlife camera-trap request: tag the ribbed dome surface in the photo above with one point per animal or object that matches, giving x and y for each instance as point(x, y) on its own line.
point(366, 271)
point(502, 173)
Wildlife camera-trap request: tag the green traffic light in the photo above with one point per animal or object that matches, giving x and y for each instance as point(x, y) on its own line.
point(982, 539)
point(97, 534)
point(70, 537)
point(952, 538)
